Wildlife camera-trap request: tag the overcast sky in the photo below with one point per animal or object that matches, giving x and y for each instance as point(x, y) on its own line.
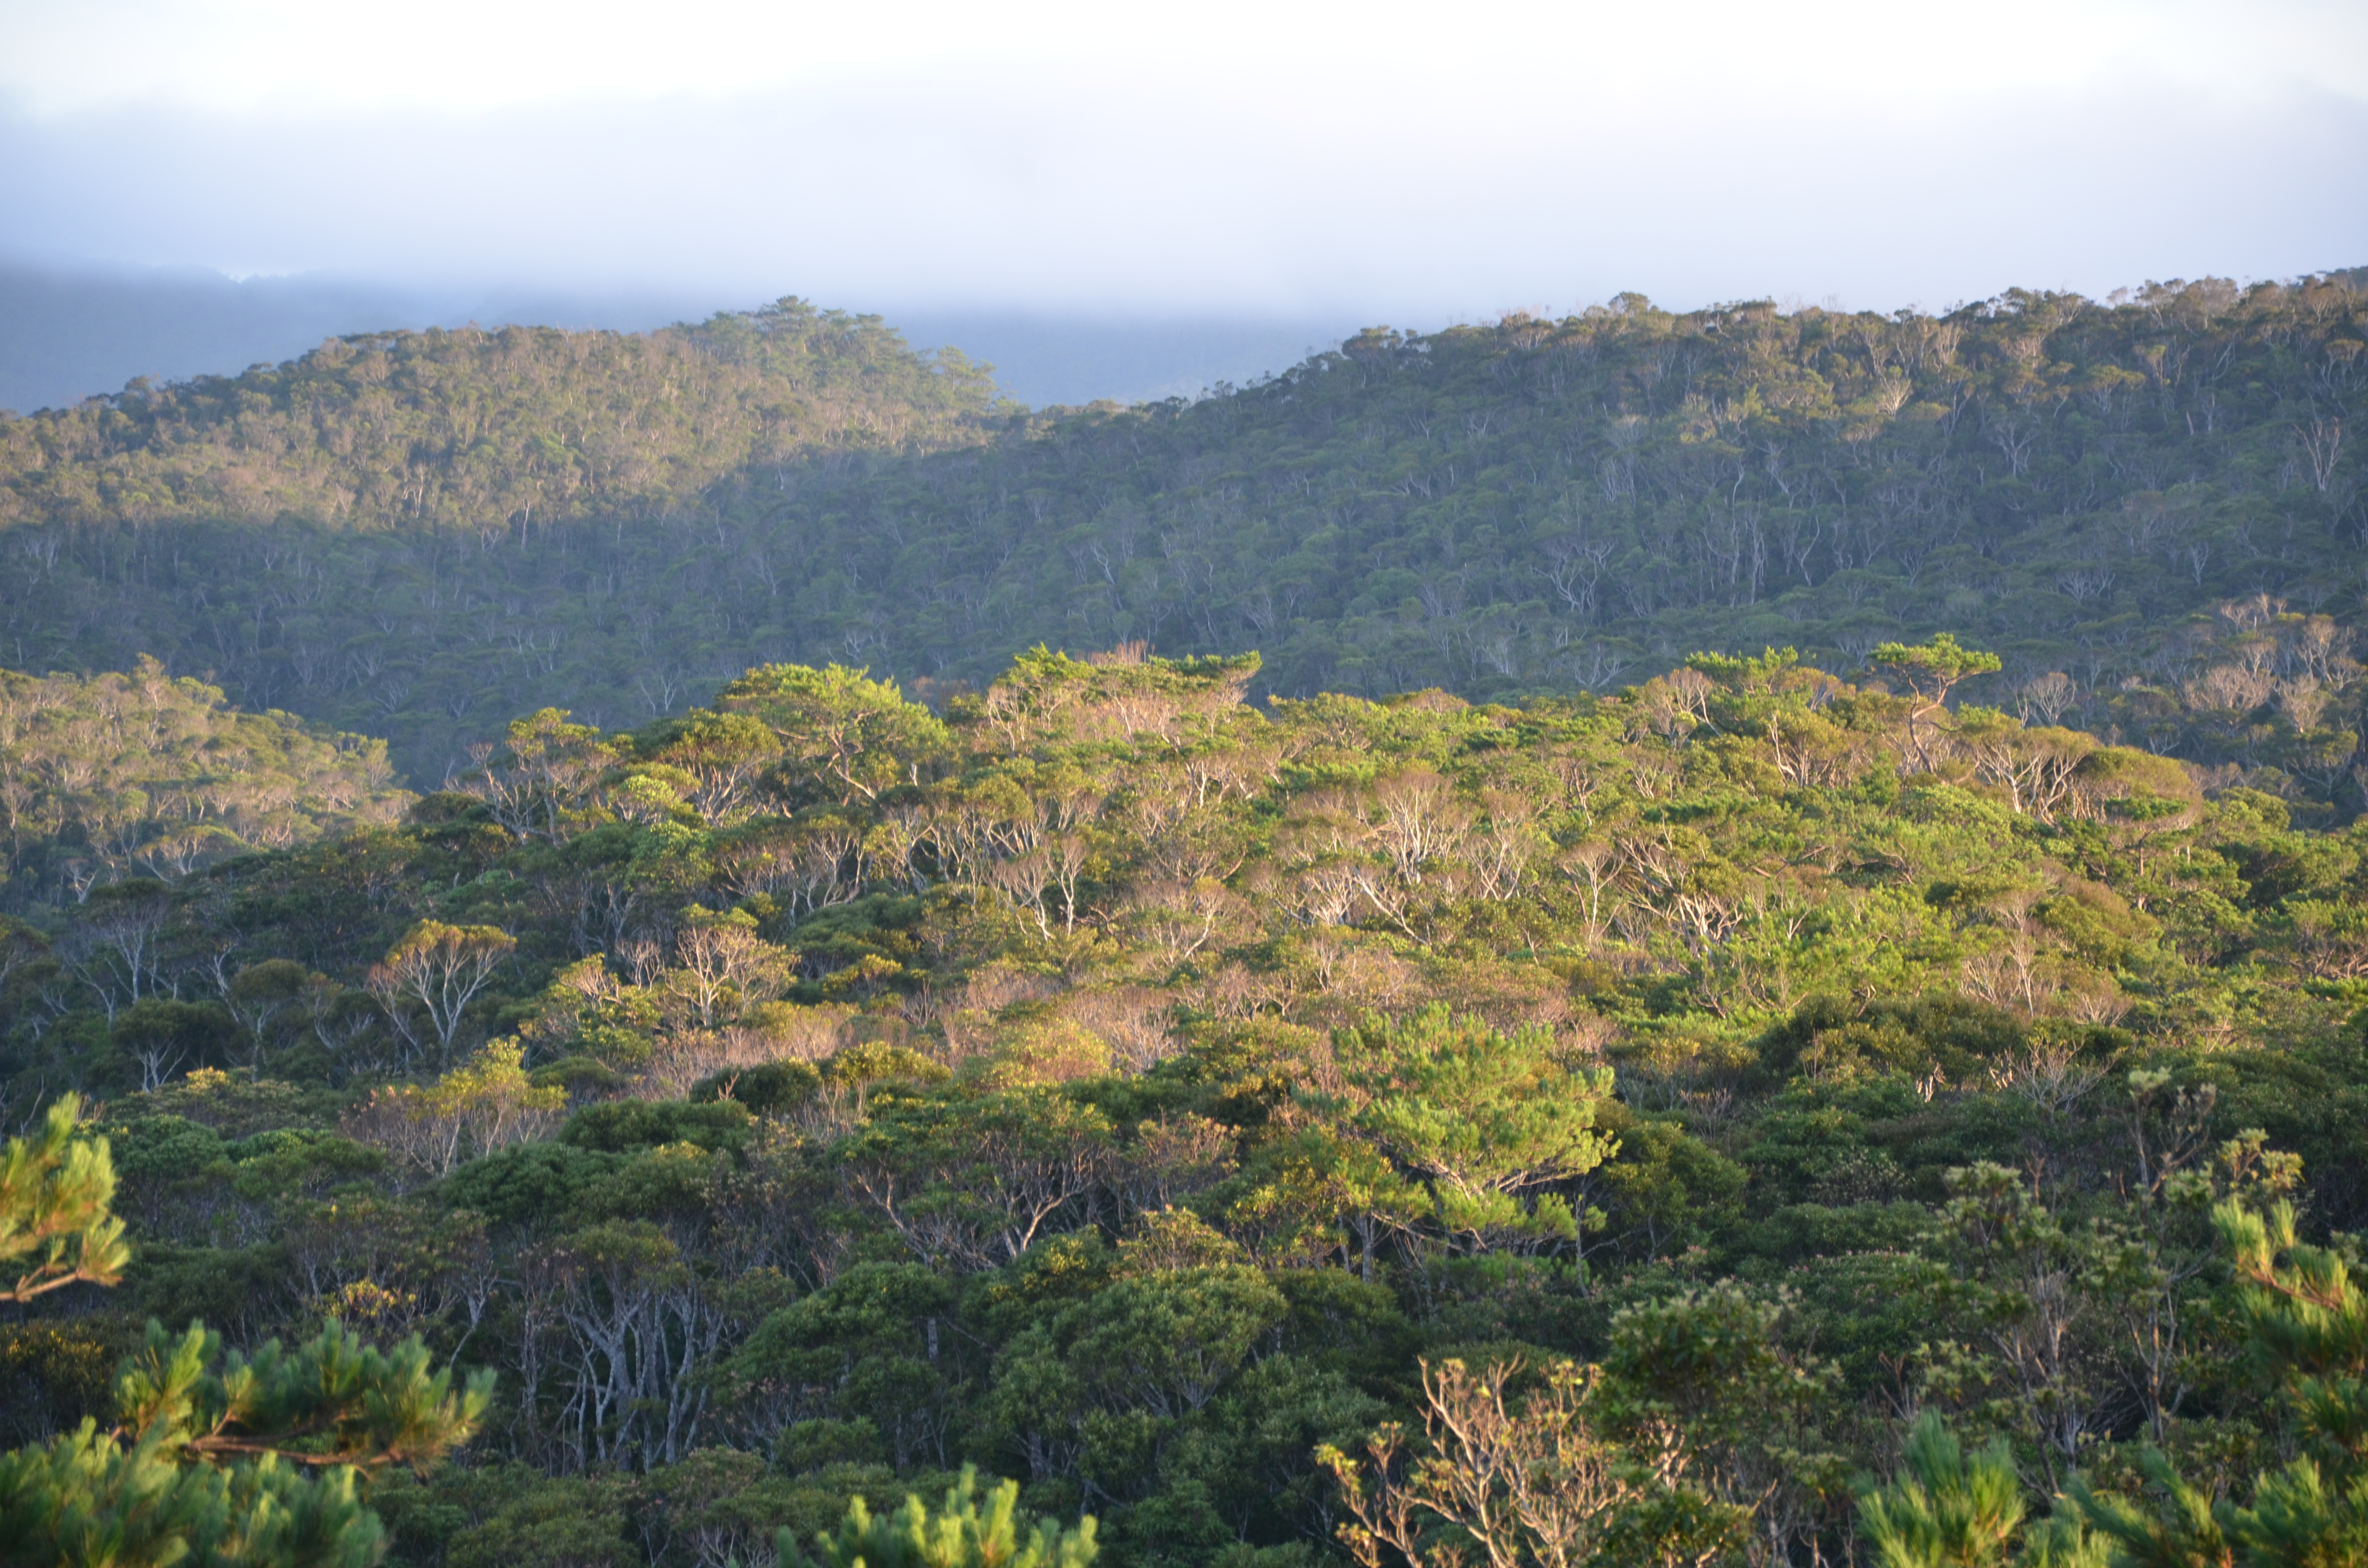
point(1413, 164)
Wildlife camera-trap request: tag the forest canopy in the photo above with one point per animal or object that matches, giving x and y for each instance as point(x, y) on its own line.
point(413, 536)
point(139, 775)
point(471, 430)
point(1756, 1115)
point(1768, 967)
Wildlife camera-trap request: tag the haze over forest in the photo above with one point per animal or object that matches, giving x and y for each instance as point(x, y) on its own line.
point(68, 333)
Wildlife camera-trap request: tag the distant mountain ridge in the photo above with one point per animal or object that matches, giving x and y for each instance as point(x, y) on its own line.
point(69, 333)
point(617, 524)
point(475, 430)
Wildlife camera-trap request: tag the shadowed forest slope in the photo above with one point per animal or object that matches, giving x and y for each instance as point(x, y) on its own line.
point(486, 432)
point(1527, 506)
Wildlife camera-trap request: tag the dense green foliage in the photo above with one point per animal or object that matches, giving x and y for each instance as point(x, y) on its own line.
point(488, 432)
point(617, 525)
point(1587, 1129)
point(142, 775)
point(215, 1460)
point(959, 1535)
point(57, 1221)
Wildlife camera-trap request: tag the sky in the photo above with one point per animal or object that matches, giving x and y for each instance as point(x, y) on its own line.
point(1375, 162)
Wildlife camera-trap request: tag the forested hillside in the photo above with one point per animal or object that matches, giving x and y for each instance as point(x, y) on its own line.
point(414, 536)
point(483, 433)
point(139, 775)
point(1757, 1116)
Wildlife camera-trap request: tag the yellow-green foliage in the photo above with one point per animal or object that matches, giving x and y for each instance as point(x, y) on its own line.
point(143, 774)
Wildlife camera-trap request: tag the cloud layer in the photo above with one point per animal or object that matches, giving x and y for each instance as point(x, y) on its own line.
point(1055, 158)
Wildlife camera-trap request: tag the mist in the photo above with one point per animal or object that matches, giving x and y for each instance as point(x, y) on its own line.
point(68, 333)
point(1108, 206)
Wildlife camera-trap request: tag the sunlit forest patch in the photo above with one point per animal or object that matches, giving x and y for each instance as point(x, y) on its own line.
point(1755, 1113)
